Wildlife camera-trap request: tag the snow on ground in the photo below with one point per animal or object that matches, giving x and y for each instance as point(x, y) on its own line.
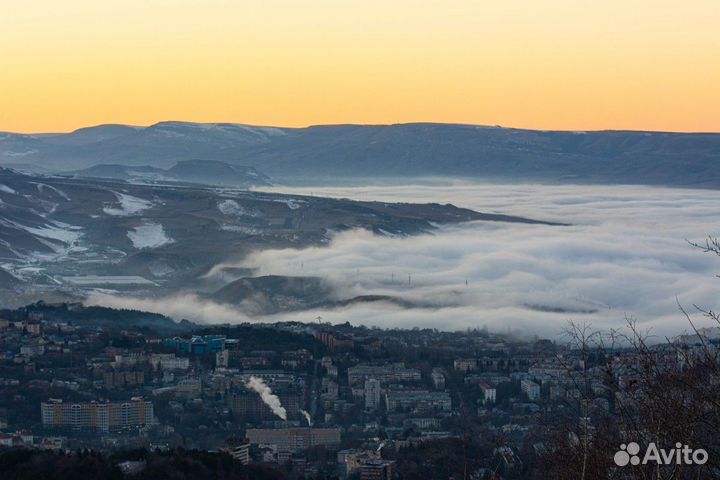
point(41, 186)
point(55, 230)
point(170, 133)
point(6, 189)
point(61, 238)
point(86, 280)
point(14, 251)
point(231, 207)
point(129, 205)
point(292, 203)
point(228, 129)
point(149, 235)
point(262, 132)
point(160, 269)
point(21, 154)
point(388, 234)
point(241, 229)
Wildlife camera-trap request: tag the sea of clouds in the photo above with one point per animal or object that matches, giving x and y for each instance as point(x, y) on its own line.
point(625, 253)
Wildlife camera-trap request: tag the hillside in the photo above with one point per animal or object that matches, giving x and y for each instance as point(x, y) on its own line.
point(209, 172)
point(81, 234)
point(319, 153)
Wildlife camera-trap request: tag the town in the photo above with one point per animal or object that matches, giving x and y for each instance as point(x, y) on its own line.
point(311, 400)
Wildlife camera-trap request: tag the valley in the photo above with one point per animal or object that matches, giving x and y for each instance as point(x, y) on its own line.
point(73, 235)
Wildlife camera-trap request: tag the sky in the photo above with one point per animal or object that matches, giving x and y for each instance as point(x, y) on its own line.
point(550, 64)
point(625, 255)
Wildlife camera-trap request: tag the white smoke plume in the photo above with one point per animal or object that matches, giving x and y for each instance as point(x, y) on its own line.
point(269, 398)
point(307, 417)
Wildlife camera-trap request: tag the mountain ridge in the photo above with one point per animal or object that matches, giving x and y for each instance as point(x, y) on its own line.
point(395, 151)
point(209, 172)
point(352, 124)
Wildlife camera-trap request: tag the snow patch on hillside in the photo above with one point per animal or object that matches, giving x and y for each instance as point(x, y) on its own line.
point(292, 203)
point(42, 186)
point(129, 205)
point(32, 151)
point(60, 238)
point(241, 229)
point(53, 230)
point(62, 232)
point(233, 208)
point(149, 235)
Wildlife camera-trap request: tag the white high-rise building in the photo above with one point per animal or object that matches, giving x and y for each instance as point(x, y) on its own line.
point(489, 393)
point(531, 389)
point(372, 393)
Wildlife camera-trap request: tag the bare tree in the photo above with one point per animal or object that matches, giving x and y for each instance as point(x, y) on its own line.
point(664, 392)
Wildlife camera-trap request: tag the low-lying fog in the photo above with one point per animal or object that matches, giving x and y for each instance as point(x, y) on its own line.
point(625, 254)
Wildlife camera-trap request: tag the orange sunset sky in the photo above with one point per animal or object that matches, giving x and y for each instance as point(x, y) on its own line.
point(548, 64)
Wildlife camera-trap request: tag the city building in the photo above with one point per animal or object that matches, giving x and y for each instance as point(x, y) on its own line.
point(489, 393)
point(351, 461)
point(438, 379)
point(335, 341)
point(98, 416)
point(292, 439)
point(168, 361)
point(241, 452)
point(393, 372)
point(248, 405)
point(115, 379)
point(377, 470)
point(405, 399)
point(531, 389)
point(197, 344)
point(372, 394)
point(465, 364)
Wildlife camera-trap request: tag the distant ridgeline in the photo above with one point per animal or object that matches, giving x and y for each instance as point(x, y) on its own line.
point(210, 172)
point(371, 151)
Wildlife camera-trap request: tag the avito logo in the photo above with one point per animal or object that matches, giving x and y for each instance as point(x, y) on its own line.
point(680, 455)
